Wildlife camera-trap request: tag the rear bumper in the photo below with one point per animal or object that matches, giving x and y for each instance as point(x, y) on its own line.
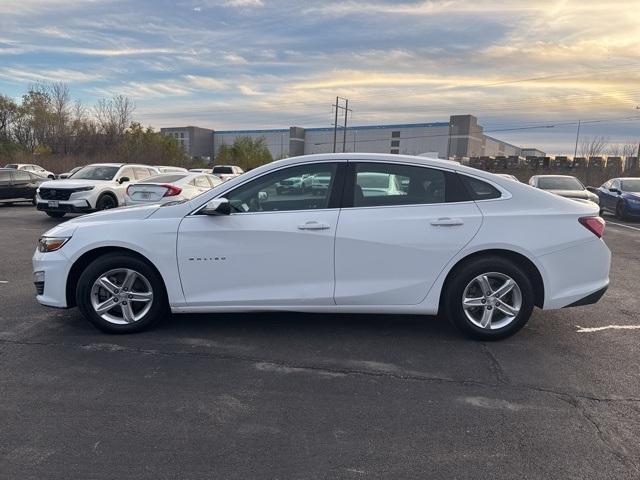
point(576, 274)
point(589, 299)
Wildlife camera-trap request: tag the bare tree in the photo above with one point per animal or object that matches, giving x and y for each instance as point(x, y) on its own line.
point(630, 149)
point(614, 150)
point(8, 110)
point(114, 115)
point(593, 146)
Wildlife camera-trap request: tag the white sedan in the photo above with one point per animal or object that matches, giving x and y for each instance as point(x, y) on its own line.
point(482, 249)
point(169, 187)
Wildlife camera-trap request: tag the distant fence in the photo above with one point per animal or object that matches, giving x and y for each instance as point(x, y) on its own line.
point(591, 171)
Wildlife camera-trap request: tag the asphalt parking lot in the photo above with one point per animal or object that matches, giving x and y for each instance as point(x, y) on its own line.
point(292, 396)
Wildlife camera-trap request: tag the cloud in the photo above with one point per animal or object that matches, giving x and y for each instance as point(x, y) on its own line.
point(55, 75)
point(247, 90)
point(244, 3)
point(205, 83)
point(235, 59)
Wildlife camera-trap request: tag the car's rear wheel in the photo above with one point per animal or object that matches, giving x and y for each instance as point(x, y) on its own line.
point(621, 211)
point(55, 214)
point(105, 202)
point(120, 293)
point(489, 298)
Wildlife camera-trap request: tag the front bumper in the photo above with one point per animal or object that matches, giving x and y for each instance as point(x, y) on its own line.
point(70, 206)
point(50, 278)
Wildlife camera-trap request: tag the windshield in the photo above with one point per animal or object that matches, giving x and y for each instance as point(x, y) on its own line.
point(222, 170)
point(96, 172)
point(632, 185)
point(559, 183)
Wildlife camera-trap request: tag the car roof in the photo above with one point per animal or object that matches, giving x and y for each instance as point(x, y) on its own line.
point(386, 157)
point(554, 176)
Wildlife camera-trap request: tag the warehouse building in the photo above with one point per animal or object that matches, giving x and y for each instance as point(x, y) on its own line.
point(460, 137)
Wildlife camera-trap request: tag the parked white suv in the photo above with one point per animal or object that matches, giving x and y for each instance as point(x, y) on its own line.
point(37, 169)
point(227, 172)
point(99, 186)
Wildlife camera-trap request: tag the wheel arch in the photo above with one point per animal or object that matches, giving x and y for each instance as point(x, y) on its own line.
point(519, 259)
point(110, 193)
point(87, 257)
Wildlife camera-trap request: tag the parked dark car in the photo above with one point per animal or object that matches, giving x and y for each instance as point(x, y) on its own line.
point(620, 196)
point(564, 186)
point(68, 174)
point(18, 185)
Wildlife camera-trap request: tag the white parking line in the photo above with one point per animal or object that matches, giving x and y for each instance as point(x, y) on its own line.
point(4, 281)
point(623, 225)
point(608, 327)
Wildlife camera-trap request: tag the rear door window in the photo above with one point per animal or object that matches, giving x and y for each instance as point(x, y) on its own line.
point(387, 184)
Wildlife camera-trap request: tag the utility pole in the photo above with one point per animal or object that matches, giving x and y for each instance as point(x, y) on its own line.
point(575, 150)
point(346, 109)
point(335, 125)
point(638, 154)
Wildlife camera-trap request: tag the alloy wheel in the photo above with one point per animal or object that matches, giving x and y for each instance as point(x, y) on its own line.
point(121, 296)
point(492, 300)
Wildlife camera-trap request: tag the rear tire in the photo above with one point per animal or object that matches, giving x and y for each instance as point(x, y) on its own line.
point(55, 214)
point(469, 304)
point(144, 297)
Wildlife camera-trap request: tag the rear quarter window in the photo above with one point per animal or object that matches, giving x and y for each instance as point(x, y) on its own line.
point(479, 189)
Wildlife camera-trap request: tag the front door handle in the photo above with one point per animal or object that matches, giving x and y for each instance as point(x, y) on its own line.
point(313, 226)
point(447, 222)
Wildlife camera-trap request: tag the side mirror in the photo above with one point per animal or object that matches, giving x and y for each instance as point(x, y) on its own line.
point(217, 206)
point(123, 180)
point(615, 190)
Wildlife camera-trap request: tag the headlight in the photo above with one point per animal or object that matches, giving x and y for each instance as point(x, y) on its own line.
point(83, 189)
point(633, 201)
point(51, 244)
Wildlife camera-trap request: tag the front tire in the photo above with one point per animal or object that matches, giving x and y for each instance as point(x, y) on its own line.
point(106, 202)
point(489, 298)
point(120, 293)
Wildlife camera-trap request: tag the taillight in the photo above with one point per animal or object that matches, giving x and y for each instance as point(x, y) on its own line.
point(172, 190)
point(594, 224)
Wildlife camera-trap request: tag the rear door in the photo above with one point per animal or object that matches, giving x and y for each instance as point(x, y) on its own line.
point(21, 184)
point(6, 188)
point(400, 226)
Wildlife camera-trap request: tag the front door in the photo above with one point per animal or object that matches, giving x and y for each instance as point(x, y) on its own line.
point(275, 248)
point(402, 226)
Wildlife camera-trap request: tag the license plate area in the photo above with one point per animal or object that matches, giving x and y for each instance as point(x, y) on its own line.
point(53, 204)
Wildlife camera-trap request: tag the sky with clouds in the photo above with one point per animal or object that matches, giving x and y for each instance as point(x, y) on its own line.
point(273, 63)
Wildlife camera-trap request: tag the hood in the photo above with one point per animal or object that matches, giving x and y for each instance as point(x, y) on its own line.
point(74, 183)
point(631, 195)
point(123, 213)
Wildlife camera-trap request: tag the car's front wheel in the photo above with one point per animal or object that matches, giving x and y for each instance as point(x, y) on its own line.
point(106, 202)
point(489, 298)
point(120, 293)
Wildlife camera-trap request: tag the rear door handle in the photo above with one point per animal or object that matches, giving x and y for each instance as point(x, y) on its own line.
point(447, 222)
point(313, 226)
